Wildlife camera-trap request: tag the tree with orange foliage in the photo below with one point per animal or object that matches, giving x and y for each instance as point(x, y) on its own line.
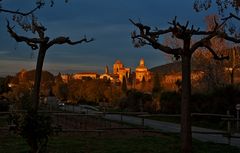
point(214, 70)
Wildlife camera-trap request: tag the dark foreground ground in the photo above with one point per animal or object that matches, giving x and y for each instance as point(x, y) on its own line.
point(118, 141)
point(114, 137)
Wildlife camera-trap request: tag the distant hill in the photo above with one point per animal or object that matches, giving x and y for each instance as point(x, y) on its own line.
point(30, 76)
point(167, 68)
point(46, 76)
point(171, 68)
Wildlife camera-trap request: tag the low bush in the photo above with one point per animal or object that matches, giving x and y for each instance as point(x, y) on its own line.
point(4, 106)
point(170, 102)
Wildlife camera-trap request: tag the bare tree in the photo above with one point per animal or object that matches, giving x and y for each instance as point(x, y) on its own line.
point(36, 128)
point(41, 43)
point(148, 36)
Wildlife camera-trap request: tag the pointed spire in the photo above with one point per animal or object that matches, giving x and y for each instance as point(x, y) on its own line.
point(142, 63)
point(106, 70)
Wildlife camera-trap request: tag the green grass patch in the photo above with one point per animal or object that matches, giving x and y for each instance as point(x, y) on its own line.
point(115, 145)
point(12, 144)
point(165, 143)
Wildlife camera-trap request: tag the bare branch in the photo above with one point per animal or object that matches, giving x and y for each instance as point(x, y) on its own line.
point(80, 41)
point(66, 40)
point(183, 32)
point(217, 27)
point(147, 37)
point(156, 45)
point(32, 42)
point(231, 15)
point(156, 32)
point(203, 42)
point(227, 37)
point(38, 27)
point(215, 56)
point(22, 13)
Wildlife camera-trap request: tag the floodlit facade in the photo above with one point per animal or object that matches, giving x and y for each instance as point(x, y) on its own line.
point(108, 76)
point(121, 71)
point(84, 75)
point(142, 73)
point(117, 75)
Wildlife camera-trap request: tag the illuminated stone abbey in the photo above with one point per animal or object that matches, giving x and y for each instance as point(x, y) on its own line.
point(119, 72)
point(142, 73)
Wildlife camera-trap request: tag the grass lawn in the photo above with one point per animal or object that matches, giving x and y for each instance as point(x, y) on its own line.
point(120, 143)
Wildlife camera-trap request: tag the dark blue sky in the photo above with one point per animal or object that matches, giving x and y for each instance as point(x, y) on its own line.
point(105, 20)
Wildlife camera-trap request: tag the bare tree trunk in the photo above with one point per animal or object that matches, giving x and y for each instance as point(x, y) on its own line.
point(36, 90)
point(38, 74)
point(232, 76)
point(233, 65)
point(186, 132)
point(33, 145)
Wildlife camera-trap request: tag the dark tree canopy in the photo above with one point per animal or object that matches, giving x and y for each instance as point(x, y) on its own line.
point(227, 9)
point(222, 5)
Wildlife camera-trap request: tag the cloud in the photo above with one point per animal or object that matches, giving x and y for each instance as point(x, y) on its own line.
point(105, 20)
point(11, 67)
point(4, 52)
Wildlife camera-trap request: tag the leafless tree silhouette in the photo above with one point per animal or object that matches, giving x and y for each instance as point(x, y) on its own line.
point(185, 33)
point(41, 43)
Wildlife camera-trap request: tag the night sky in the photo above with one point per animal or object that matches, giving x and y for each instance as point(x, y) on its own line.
point(104, 20)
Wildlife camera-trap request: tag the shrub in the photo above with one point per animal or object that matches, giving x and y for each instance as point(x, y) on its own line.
point(36, 128)
point(200, 103)
point(137, 101)
point(4, 106)
point(218, 101)
point(170, 102)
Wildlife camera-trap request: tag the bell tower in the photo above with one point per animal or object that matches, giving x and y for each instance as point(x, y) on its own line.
point(106, 70)
point(142, 63)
